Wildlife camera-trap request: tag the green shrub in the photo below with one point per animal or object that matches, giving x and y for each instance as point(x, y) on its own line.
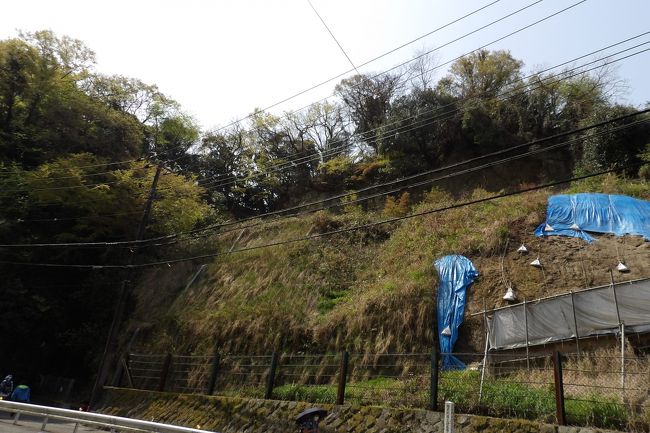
point(597, 410)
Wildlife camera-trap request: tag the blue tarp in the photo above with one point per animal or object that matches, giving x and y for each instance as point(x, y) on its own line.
point(576, 214)
point(456, 273)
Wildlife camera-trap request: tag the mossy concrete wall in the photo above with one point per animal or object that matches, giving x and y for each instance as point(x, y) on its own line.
point(241, 415)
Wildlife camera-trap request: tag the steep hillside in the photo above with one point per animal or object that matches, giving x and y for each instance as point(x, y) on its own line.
point(371, 289)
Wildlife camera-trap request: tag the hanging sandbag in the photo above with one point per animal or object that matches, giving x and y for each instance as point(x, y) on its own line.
point(510, 295)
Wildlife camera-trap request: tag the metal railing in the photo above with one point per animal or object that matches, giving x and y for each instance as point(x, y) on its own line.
point(113, 423)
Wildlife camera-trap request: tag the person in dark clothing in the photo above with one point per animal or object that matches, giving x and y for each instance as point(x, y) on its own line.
point(7, 387)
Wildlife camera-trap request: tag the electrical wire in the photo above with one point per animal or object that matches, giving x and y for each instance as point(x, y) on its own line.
point(292, 163)
point(389, 52)
point(84, 217)
point(297, 161)
point(331, 79)
point(396, 190)
point(320, 235)
point(447, 167)
point(401, 129)
point(441, 46)
point(333, 37)
point(421, 183)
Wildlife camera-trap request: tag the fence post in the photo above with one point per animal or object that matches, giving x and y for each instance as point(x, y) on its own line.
point(127, 370)
point(449, 418)
point(164, 372)
point(575, 323)
point(433, 391)
point(559, 389)
point(214, 373)
point(119, 374)
point(268, 393)
point(343, 374)
point(527, 340)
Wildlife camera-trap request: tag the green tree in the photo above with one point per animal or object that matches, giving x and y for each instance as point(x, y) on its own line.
point(44, 113)
point(606, 148)
point(368, 100)
point(423, 130)
point(59, 315)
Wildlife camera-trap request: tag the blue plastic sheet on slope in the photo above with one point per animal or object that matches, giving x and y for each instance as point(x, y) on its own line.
point(456, 273)
point(576, 214)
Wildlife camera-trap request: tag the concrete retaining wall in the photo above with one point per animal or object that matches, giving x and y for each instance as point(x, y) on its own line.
point(241, 415)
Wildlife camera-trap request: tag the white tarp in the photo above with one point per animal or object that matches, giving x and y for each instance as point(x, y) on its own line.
point(553, 320)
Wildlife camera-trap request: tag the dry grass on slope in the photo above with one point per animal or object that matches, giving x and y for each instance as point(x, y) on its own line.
point(373, 290)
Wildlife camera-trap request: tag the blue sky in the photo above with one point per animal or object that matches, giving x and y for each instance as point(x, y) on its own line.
point(222, 58)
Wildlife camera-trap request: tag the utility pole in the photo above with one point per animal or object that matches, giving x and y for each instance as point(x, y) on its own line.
point(125, 291)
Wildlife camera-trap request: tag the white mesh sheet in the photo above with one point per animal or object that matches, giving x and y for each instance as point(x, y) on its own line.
point(552, 319)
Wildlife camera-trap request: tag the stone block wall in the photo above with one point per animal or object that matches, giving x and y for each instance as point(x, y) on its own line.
point(242, 415)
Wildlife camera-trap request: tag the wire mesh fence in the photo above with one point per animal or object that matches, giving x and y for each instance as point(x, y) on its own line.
point(508, 386)
point(600, 391)
point(189, 374)
point(397, 379)
point(307, 377)
point(243, 375)
point(146, 370)
point(607, 390)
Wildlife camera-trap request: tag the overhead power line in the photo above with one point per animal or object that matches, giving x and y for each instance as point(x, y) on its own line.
point(411, 60)
point(409, 186)
point(400, 129)
point(434, 49)
point(275, 104)
point(402, 64)
point(82, 217)
point(238, 227)
point(341, 149)
point(436, 170)
point(333, 37)
point(425, 54)
point(450, 23)
point(324, 234)
point(403, 128)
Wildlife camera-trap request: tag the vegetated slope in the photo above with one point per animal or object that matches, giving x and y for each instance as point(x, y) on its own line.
point(371, 290)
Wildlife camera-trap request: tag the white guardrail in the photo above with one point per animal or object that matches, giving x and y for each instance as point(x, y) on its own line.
point(113, 423)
